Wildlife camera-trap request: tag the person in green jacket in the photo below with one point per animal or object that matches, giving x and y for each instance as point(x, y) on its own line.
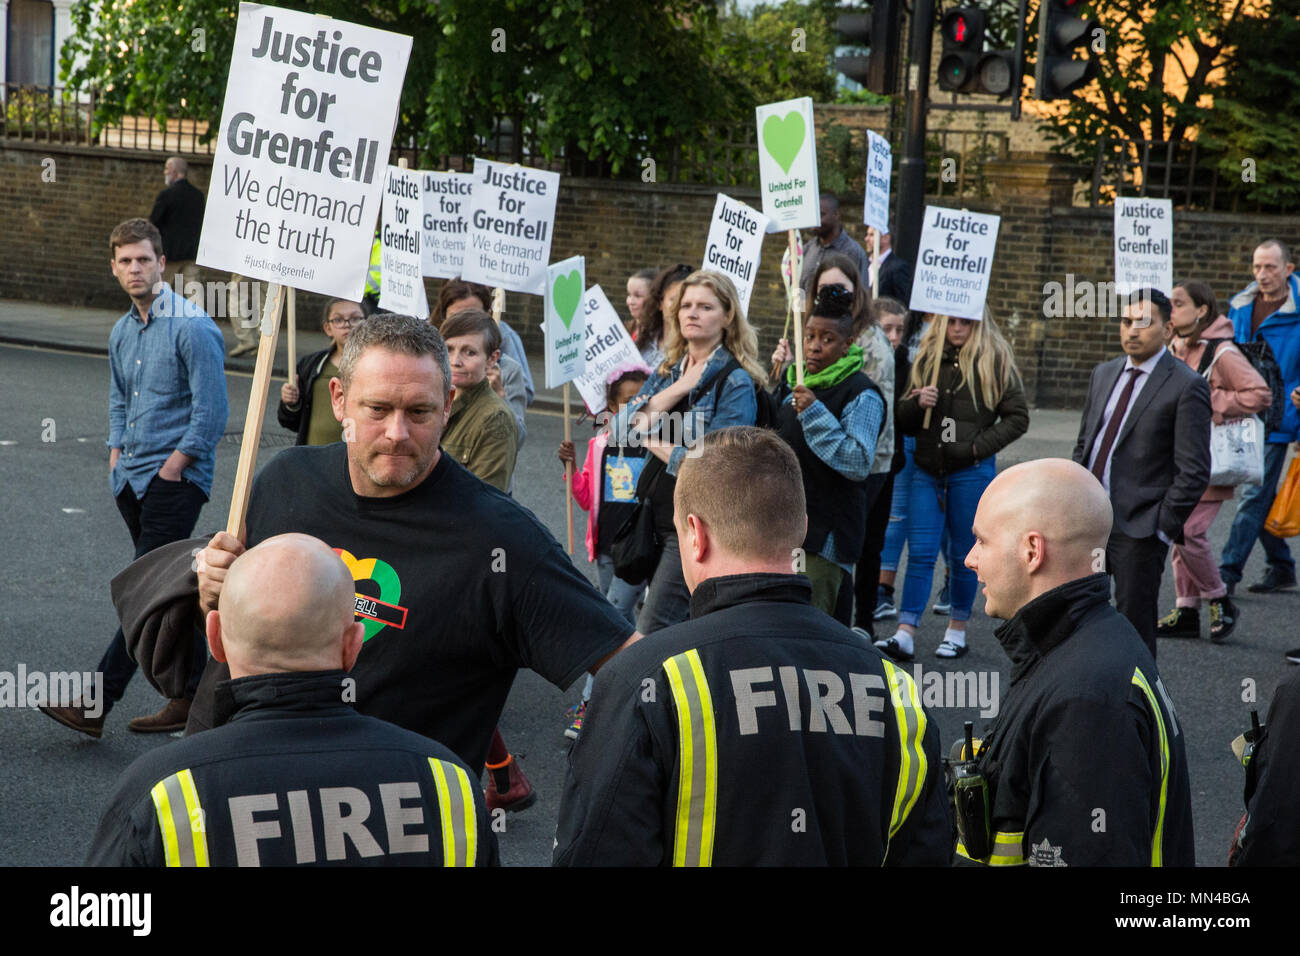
point(481, 432)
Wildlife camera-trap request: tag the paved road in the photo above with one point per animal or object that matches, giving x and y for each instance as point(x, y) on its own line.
point(65, 540)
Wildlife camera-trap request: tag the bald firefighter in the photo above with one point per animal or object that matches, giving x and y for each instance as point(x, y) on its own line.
point(296, 775)
point(760, 731)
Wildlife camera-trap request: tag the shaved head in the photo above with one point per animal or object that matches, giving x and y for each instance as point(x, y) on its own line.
point(1039, 525)
point(287, 605)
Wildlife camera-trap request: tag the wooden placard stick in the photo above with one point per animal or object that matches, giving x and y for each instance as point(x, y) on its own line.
point(796, 257)
point(787, 264)
point(256, 409)
point(291, 328)
point(934, 372)
point(875, 264)
point(498, 304)
point(568, 471)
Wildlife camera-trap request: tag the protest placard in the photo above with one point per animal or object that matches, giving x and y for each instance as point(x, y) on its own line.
point(954, 261)
point(735, 243)
point(401, 286)
point(609, 347)
point(875, 204)
point(787, 164)
point(305, 133)
point(446, 223)
point(1144, 245)
point(564, 328)
point(512, 219)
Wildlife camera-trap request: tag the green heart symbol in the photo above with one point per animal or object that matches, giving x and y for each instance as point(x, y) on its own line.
point(784, 138)
point(565, 296)
point(382, 573)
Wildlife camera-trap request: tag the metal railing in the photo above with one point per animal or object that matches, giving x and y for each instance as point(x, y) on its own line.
point(1164, 169)
point(56, 114)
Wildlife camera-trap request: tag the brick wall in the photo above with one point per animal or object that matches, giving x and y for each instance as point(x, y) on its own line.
point(55, 249)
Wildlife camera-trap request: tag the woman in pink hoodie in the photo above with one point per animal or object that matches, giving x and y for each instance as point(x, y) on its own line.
point(1236, 391)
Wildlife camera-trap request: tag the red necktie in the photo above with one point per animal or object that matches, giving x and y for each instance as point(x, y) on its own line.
point(1112, 427)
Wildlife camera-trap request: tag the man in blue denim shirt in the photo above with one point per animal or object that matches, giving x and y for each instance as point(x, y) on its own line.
point(167, 410)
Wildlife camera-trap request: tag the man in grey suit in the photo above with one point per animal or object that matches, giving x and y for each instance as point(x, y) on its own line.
point(1145, 435)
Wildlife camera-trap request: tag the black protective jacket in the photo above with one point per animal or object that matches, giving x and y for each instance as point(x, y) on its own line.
point(296, 777)
point(298, 418)
point(1270, 835)
point(759, 732)
point(1085, 762)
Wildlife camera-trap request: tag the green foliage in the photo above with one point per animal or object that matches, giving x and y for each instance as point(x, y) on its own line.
point(1131, 97)
point(1252, 130)
point(36, 114)
point(777, 52)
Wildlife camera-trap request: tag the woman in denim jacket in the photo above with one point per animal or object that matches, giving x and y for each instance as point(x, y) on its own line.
point(705, 333)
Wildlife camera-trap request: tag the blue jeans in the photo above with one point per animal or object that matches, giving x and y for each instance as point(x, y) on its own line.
point(1256, 500)
point(667, 599)
point(936, 505)
point(896, 531)
point(617, 591)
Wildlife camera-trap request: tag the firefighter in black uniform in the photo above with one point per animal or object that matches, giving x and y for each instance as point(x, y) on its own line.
point(1085, 764)
point(1269, 833)
point(297, 776)
point(760, 731)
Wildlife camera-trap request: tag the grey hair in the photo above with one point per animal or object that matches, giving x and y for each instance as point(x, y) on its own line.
point(397, 333)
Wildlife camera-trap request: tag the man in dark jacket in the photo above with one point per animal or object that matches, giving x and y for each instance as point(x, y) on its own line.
point(1145, 435)
point(895, 271)
point(178, 214)
point(1086, 763)
point(760, 731)
point(296, 776)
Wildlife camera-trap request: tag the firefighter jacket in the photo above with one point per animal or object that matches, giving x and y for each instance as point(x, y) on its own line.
point(1270, 833)
point(1085, 762)
point(296, 777)
point(758, 732)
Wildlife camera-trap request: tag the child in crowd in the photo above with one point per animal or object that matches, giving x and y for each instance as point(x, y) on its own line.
point(832, 422)
point(638, 298)
point(890, 315)
point(606, 489)
point(305, 405)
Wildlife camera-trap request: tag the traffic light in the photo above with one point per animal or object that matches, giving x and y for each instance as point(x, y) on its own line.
point(1057, 73)
point(962, 30)
point(996, 72)
point(877, 30)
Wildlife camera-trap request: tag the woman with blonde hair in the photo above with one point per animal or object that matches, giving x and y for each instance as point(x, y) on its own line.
point(705, 382)
point(977, 408)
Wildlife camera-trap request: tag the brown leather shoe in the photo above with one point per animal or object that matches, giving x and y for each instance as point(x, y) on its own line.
point(168, 720)
point(75, 716)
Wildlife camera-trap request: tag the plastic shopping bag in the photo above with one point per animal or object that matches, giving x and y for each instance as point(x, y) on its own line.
point(1284, 517)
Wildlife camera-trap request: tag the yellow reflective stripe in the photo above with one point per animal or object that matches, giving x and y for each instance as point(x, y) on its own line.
point(161, 806)
point(697, 778)
point(912, 765)
point(456, 811)
point(194, 812)
point(1008, 849)
point(1157, 839)
point(180, 820)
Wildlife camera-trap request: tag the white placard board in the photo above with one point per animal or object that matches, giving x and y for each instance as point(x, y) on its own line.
point(1144, 245)
point(787, 164)
point(401, 285)
point(564, 328)
point(735, 244)
point(954, 262)
point(875, 204)
point(305, 134)
point(609, 347)
point(512, 222)
point(446, 223)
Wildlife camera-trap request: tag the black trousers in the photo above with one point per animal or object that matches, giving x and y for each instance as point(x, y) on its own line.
point(1136, 566)
point(866, 578)
point(167, 512)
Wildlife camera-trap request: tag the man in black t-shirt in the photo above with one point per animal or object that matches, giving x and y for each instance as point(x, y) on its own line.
point(458, 586)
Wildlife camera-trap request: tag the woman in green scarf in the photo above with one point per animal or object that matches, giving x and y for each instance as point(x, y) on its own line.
point(832, 422)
